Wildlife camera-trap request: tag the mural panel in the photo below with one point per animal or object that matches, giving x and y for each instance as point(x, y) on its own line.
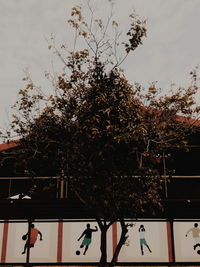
point(81, 242)
point(147, 242)
point(187, 241)
point(43, 242)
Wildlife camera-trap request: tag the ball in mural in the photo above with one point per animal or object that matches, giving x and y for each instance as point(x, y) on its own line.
point(78, 252)
point(24, 237)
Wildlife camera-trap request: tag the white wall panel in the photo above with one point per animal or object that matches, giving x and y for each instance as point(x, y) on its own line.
point(155, 235)
point(184, 246)
point(43, 251)
point(71, 233)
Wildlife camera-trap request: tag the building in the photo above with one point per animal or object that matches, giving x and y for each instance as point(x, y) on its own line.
point(61, 218)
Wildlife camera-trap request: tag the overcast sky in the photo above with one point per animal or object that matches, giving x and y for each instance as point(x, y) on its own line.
point(169, 53)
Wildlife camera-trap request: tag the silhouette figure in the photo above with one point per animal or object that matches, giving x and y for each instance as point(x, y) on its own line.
point(143, 241)
point(87, 237)
point(33, 238)
point(195, 234)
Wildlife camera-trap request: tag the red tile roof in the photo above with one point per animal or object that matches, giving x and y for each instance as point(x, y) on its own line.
point(6, 146)
point(179, 118)
point(188, 120)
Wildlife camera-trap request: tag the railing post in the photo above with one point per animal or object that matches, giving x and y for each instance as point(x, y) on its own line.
point(62, 185)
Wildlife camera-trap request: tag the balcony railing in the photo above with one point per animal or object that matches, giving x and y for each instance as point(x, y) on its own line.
point(33, 188)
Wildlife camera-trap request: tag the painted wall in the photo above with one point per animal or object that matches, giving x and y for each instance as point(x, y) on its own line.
point(148, 241)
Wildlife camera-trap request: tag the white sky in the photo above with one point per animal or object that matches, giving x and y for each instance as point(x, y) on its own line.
point(168, 54)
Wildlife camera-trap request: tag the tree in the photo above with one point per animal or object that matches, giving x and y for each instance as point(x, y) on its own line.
point(108, 137)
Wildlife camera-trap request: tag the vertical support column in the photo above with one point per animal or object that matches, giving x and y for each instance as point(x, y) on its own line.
point(170, 238)
point(60, 238)
point(4, 242)
point(114, 236)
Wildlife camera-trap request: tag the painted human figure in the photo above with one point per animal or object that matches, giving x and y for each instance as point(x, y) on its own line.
point(195, 234)
point(142, 239)
point(87, 233)
point(34, 232)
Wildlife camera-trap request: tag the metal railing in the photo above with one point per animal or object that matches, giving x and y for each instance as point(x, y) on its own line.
point(54, 187)
point(33, 187)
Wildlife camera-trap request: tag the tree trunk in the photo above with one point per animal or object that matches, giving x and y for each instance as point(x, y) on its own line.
point(103, 247)
point(121, 242)
point(104, 226)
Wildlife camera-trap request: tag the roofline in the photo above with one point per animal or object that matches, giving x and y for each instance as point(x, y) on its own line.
point(9, 145)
